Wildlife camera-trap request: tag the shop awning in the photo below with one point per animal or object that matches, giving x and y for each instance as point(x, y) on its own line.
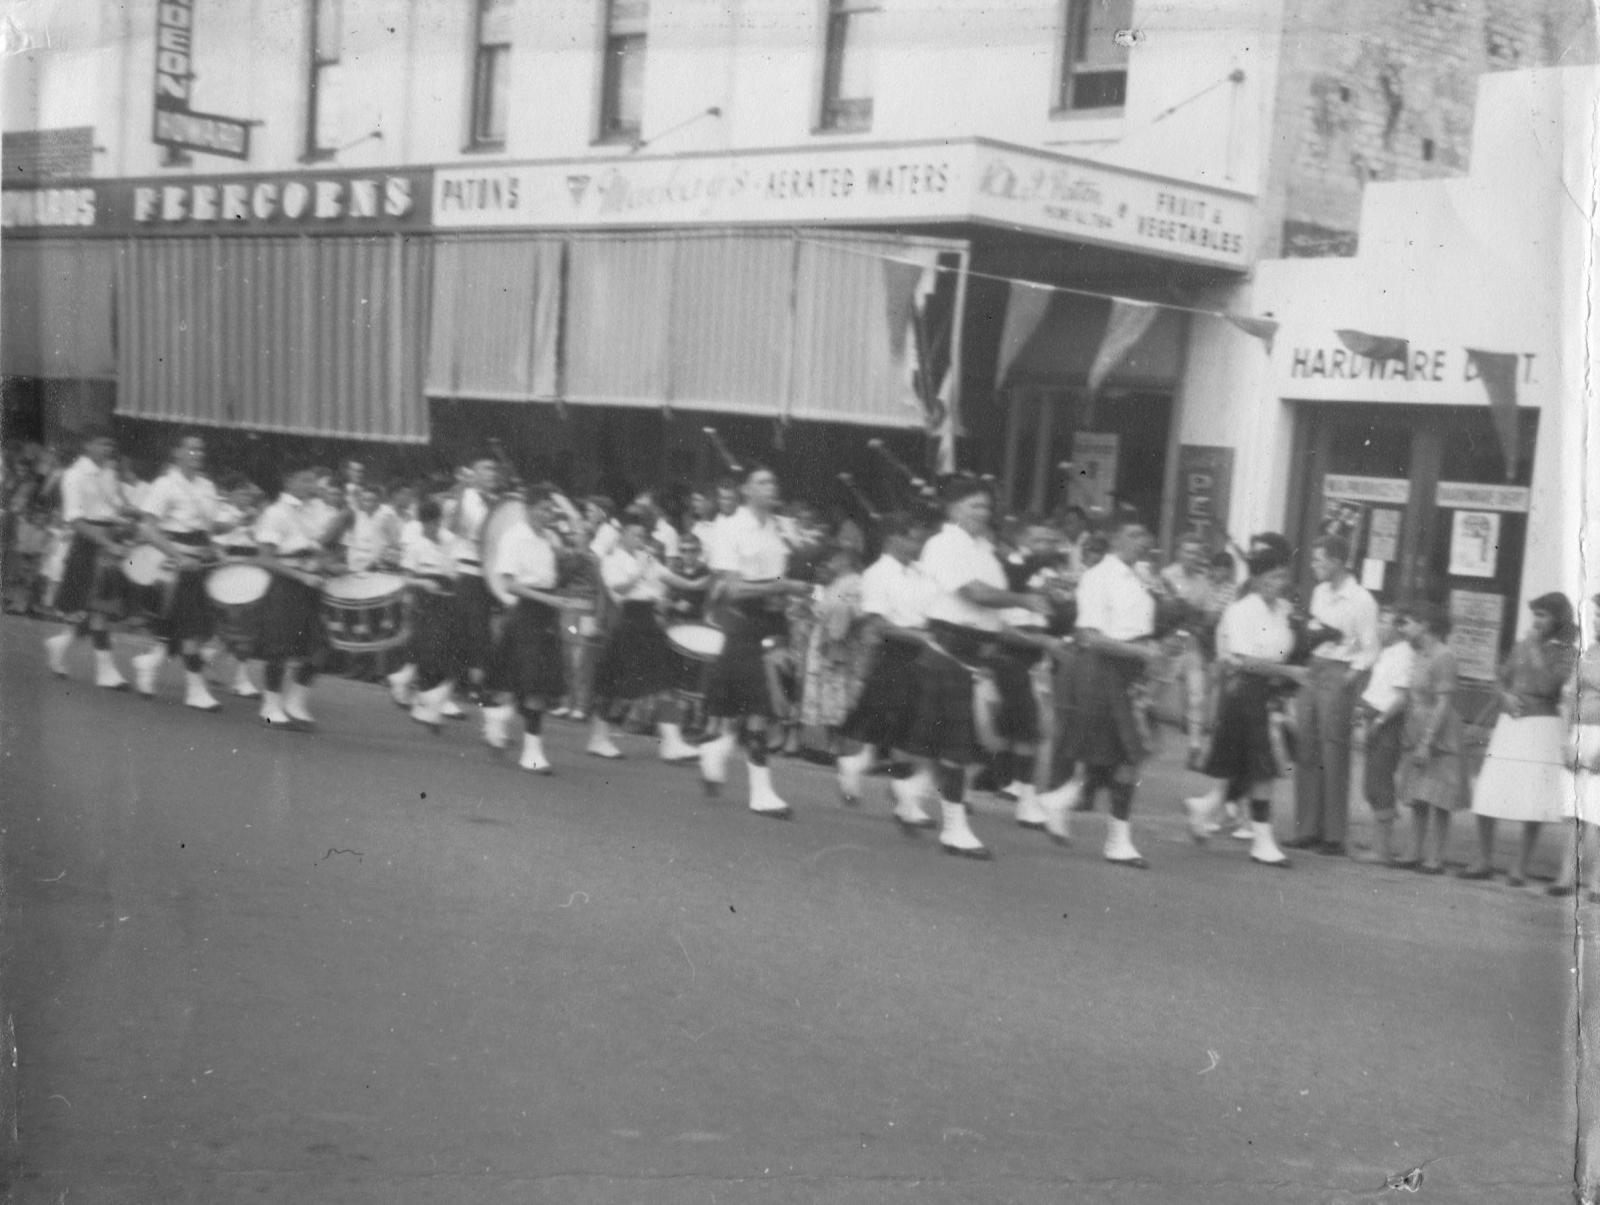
point(58, 309)
point(495, 318)
point(787, 324)
point(307, 336)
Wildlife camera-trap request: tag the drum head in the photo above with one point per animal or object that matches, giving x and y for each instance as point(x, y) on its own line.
point(142, 566)
point(237, 585)
point(364, 587)
point(696, 640)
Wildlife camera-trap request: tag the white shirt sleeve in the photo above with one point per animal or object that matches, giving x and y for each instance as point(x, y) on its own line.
point(1094, 600)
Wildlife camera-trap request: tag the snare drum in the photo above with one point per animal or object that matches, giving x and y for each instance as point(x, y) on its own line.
point(235, 591)
point(146, 565)
point(365, 612)
point(696, 641)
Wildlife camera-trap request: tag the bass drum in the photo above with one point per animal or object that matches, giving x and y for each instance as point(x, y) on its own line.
point(235, 591)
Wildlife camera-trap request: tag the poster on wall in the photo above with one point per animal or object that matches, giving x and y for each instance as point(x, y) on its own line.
point(1094, 472)
point(1347, 519)
point(1383, 543)
point(1474, 543)
point(1476, 619)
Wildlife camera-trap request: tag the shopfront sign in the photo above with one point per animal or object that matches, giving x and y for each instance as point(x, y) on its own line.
point(319, 202)
point(174, 123)
point(1394, 490)
point(1466, 495)
point(1437, 365)
point(1205, 480)
point(966, 180)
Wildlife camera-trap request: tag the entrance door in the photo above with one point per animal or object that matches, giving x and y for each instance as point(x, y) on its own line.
point(1423, 496)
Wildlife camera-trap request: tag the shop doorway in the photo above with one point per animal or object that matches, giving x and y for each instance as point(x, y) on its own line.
point(1431, 512)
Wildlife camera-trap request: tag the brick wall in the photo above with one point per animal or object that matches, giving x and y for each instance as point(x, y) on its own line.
point(1384, 90)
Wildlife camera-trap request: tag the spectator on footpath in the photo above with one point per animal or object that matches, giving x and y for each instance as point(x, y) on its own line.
point(1524, 771)
point(1383, 710)
point(1430, 770)
point(1324, 708)
point(1581, 803)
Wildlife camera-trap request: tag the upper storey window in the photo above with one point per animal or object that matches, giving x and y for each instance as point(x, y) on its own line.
point(1094, 64)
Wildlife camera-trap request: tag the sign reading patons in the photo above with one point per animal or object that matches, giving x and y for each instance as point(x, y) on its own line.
point(309, 203)
point(175, 124)
point(968, 180)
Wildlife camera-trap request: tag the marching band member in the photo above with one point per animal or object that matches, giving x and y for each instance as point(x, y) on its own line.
point(180, 509)
point(525, 672)
point(964, 619)
point(235, 539)
point(91, 586)
point(1114, 634)
point(429, 564)
point(895, 595)
point(751, 558)
point(289, 639)
point(465, 520)
point(637, 662)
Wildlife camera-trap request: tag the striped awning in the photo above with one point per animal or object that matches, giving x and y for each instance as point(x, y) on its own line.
point(495, 318)
point(306, 336)
point(58, 308)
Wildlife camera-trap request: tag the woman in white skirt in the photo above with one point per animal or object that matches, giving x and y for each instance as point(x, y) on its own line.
point(1525, 774)
point(1581, 801)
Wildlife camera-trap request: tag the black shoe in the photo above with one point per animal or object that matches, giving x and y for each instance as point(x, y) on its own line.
point(1405, 864)
point(1332, 849)
point(1303, 843)
point(1562, 889)
point(1427, 869)
point(1477, 875)
point(980, 853)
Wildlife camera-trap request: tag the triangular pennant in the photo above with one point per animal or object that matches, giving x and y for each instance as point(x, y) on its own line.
point(1026, 307)
point(1264, 329)
point(1498, 371)
point(1375, 347)
point(1127, 324)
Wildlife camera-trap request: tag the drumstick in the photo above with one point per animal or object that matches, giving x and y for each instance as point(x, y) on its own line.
point(882, 449)
point(722, 450)
point(860, 497)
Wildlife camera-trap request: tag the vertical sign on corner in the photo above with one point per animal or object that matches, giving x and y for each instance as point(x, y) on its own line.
point(1205, 483)
point(174, 123)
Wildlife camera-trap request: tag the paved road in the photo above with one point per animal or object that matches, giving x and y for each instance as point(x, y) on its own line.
point(375, 965)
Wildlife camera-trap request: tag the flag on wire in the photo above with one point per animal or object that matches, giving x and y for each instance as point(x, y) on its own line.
point(947, 423)
point(1375, 347)
point(1264, 329)
point(1498, 372)
point(1026, 307)
point(1128, 322)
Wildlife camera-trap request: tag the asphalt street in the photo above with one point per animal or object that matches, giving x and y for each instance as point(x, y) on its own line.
point(372, 964)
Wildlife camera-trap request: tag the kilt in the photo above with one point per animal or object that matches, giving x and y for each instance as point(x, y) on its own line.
point(436, 644)
point(184, 610)
point(474, 607)
point(1241, 746)
point(89, 582)
point(637, 661)
point(887, 705)
point(1017, 720)
point(289, 621)
point(526, 660)
point(737, 683)
point(942, 726)
point(1094, 714)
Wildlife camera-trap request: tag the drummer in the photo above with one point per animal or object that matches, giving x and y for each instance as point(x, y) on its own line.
point(480, 487)
point(895, 596)
point(429, 562)
point(290, 639)
point(234, 538)
point(964, 621)
point(637, 662)
point(90, 587)
point(525, 671)
point(180, 509)
point(750, 558)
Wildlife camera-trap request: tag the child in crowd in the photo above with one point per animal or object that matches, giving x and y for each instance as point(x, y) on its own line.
point(1382, 709)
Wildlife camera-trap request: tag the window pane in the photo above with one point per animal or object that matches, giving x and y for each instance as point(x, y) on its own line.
point(1098, 22)
point(330, 132)
point(623, 105)
point(628, 16)
point(494, 21)
point(489, 103)
point(858, 52)
point(330, 30)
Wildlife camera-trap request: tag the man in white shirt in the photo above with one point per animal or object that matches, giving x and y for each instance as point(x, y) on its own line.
point(366, 542)
point(750, 559)
point(525, 672)
point(970, 595)
point(479, 492)
point(895, 596)
point(434, 659)
point(290, 638)
point(1115, 636)
point(91, 586)
point(180, 510)
point(1324, 709)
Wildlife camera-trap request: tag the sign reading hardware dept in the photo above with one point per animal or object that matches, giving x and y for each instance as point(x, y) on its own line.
point(968, 180)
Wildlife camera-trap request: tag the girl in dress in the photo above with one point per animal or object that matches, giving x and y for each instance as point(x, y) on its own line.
point(1525, 773)
point(836, 654)
point(1430, 770)
point(1581, 801)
